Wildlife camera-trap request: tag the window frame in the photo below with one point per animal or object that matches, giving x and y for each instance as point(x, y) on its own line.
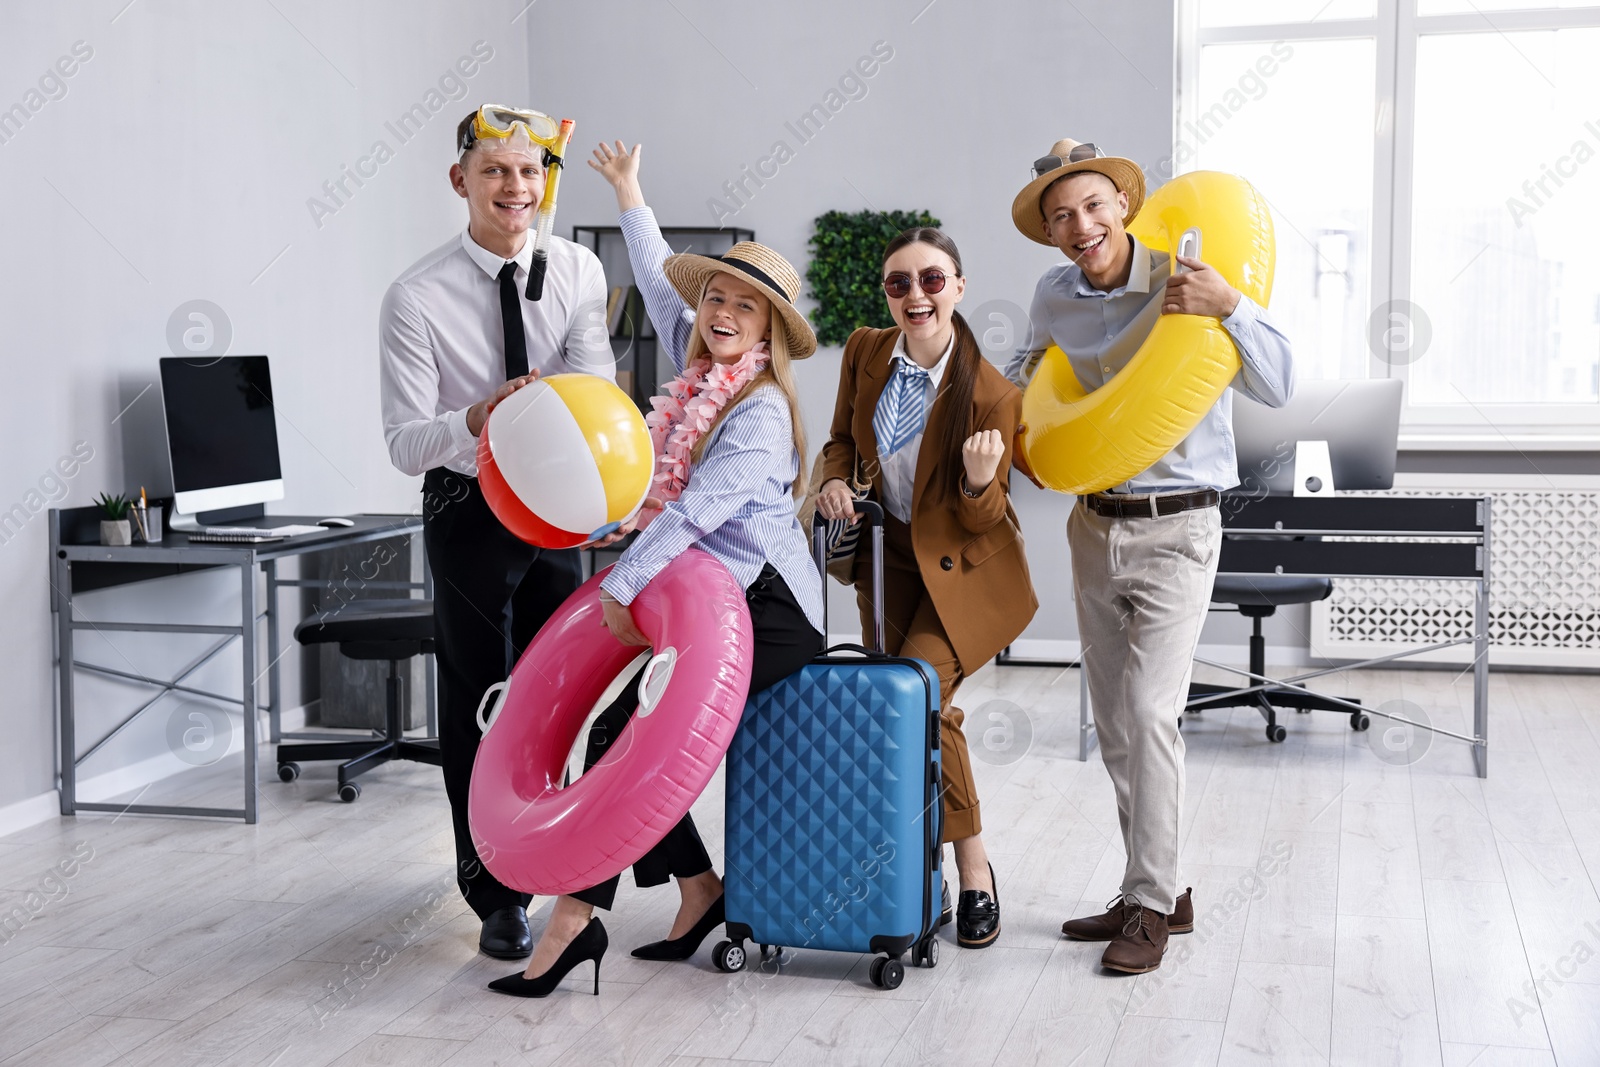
point(1397, 28)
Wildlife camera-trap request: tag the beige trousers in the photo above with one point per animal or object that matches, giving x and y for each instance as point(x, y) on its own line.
point(1142, 586)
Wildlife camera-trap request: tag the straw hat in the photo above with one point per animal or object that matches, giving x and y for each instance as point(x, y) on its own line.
point(1125, 174)
point(762, 268)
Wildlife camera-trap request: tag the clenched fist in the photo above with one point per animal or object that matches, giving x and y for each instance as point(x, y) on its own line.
point(981, 455)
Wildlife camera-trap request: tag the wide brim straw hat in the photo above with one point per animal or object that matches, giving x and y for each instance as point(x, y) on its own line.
point(1124, 174)
point(761, 267)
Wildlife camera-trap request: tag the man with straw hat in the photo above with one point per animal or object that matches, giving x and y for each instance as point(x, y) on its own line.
point(1144, 553)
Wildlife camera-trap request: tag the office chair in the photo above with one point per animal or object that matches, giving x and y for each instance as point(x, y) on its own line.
point(1255, 596)
point(393, 630)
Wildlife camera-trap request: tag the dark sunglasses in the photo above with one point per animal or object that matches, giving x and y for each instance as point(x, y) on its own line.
point(898, 284)
point(1045, 164)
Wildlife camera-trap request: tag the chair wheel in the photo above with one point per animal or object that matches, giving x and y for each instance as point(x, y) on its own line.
point(1276, 733)
point(728, 957)
point(348, 792)
point(1359, 720)
point(887, 973)
point(288, 772)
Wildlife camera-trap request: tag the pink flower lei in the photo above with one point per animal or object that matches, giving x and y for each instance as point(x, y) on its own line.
point(689, 406)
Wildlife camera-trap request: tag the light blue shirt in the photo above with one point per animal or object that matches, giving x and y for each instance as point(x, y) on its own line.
point(738, 504)
point(1101, 331)
point(899, 468)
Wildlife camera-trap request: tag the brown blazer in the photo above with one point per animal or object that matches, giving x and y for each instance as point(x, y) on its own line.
point(969, 549)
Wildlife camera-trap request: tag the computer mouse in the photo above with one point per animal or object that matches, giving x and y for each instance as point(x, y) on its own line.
point(335, 522)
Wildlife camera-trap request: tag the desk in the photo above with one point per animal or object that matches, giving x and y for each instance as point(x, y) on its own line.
point(77, 566)
point(1444, 538)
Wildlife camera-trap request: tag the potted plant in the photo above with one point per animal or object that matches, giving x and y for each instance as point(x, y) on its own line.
point(114, 528)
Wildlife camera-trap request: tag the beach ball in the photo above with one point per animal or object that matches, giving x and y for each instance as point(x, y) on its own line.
point(565, 460)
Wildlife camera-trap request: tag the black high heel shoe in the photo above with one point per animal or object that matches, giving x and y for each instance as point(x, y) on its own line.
point(681, 948)
point(589, 945)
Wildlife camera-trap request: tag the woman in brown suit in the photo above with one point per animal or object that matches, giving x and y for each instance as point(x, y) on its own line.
point(925, 419)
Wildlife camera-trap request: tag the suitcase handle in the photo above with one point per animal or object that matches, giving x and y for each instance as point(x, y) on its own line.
point(871, 513)
point(850, 646)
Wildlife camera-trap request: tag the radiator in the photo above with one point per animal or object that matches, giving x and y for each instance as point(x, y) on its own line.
point(1544, 582)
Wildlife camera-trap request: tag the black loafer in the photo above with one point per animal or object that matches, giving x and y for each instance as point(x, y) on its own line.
point(978, 916)
point(945, 912)
point(506, 935)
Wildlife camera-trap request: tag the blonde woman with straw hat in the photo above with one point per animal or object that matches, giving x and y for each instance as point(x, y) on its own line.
point(728, 475)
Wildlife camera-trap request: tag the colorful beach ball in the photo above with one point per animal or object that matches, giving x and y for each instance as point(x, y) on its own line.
point(565, 460)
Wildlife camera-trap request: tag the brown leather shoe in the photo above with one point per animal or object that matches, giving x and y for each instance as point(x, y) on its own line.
point(1105, 927)
point(1140, 944)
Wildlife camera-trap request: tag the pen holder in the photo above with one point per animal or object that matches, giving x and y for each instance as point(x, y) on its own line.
point(148, 524)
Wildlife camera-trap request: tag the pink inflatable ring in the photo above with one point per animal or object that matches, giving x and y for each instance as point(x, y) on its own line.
point(539, 838)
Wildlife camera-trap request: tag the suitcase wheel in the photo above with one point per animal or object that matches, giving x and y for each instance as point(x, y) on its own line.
point(887, 973)
point(728, 957)
point(771, 952)
point(926, 951)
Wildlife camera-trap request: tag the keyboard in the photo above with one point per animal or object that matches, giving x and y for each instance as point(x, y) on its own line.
point(251, 534)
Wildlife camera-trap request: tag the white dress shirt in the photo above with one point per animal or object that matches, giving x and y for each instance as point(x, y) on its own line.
point(441, 342)
point(900, 469)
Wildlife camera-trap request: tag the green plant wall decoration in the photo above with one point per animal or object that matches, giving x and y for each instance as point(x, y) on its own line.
point(846, 254)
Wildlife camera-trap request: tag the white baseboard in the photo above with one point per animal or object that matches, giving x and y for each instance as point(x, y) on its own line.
point(31, 811)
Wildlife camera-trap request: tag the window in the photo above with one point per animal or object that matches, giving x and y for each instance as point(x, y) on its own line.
point(1433, 168)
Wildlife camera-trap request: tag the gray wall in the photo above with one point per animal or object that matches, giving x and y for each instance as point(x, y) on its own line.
point(950, 123)
point(174, 164)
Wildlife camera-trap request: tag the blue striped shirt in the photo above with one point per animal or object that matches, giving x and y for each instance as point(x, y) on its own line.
point(738, 503)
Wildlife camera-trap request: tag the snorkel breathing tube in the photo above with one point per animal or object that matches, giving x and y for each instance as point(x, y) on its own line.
point(546, 221)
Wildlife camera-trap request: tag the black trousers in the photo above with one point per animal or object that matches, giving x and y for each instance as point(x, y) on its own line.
point(785, 641)
point(491, 594)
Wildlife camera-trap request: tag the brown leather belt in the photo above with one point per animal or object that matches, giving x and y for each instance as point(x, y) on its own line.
point(1148, 506)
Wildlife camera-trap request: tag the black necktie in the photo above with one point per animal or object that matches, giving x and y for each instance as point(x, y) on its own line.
point(511, 317)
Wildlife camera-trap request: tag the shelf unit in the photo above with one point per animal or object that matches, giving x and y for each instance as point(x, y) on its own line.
point(641, 365)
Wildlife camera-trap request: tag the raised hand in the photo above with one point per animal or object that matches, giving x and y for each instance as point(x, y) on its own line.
point(981, 455)
point(620, 167)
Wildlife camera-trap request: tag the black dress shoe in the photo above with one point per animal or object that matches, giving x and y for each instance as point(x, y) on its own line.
point(681, 948)
point(506, 935)
point(589, 945)
point(945, 912)
point(978, 916)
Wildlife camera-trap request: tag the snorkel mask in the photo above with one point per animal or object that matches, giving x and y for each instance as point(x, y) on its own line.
point(515, 129)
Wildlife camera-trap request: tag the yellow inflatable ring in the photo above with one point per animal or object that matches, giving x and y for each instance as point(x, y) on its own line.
point(1084, 442)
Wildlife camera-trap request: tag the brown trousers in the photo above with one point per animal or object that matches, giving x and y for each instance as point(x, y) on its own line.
point(912, 628)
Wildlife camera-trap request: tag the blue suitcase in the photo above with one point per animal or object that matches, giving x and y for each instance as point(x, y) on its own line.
point(833, 807)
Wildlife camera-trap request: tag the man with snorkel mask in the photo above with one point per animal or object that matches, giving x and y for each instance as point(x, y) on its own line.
point(463, 328)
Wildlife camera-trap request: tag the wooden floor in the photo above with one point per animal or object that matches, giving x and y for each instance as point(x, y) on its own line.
point(1352, 911)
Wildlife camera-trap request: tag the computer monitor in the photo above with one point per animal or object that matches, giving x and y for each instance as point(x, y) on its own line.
point(1359, 418)
point(222, 437)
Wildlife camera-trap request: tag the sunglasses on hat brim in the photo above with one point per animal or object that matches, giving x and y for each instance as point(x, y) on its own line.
point(1045, 164)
